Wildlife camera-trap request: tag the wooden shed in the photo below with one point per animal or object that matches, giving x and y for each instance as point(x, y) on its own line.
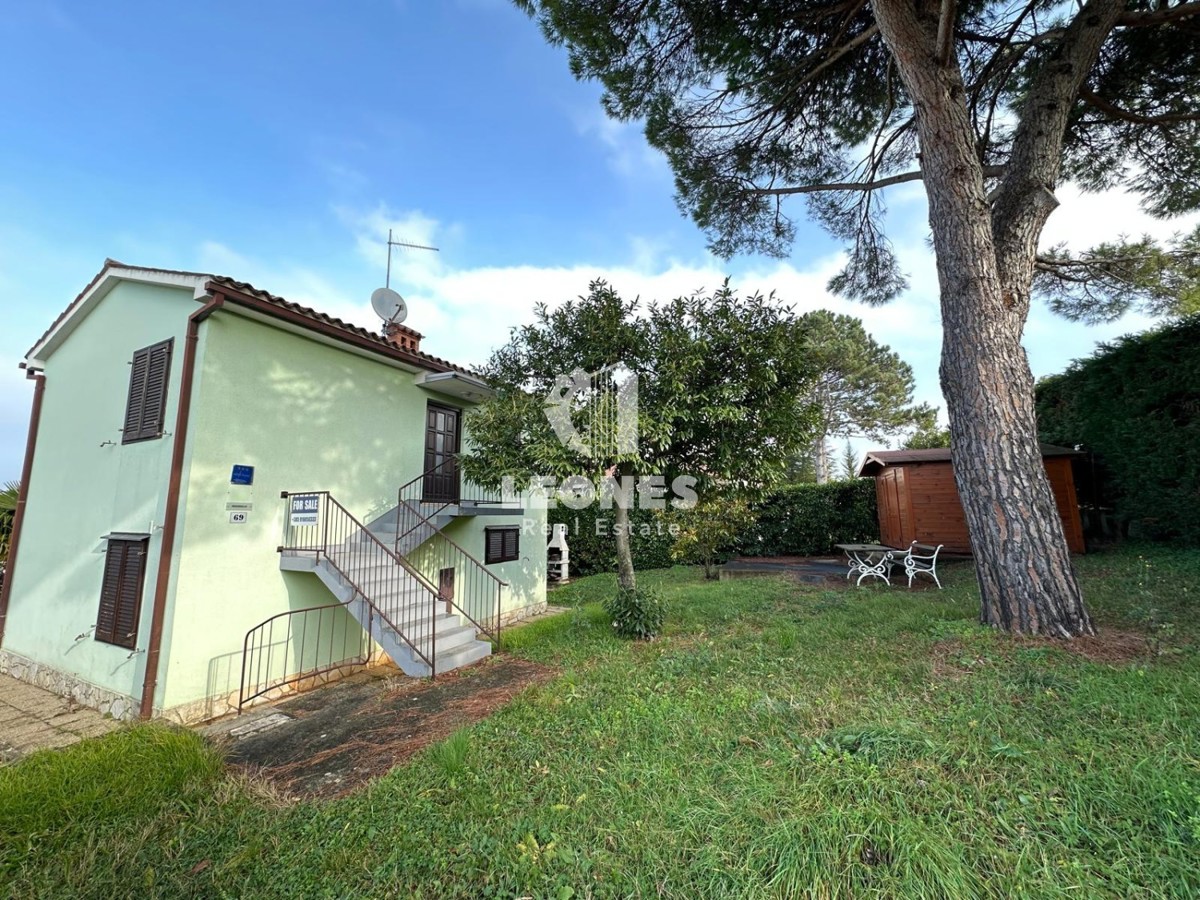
point(918, 500)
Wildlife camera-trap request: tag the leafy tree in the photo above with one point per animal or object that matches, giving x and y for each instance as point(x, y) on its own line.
point(991, 105)
point(719, 379)
point(932, 437)
point(715, 522)
point(801, 469)
point(862, 388)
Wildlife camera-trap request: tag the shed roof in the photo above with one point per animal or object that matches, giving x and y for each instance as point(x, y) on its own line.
point(328, 325)
point(878, 460)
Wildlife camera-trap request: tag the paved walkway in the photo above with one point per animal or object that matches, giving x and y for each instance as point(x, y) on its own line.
point(32, 718)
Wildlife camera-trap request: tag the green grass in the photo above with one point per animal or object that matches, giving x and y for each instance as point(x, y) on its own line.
point(777, 741)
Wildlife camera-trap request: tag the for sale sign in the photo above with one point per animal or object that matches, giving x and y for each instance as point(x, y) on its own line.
point(305, 508)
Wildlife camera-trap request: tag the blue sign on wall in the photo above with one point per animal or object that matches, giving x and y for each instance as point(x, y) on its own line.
point(242, 475)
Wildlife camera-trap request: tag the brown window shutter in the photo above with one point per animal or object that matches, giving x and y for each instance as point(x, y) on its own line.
point(129, 598)
point(501, 544)
point(148, 380)
point(106, 618)
point(121, 592)
point(137, 396)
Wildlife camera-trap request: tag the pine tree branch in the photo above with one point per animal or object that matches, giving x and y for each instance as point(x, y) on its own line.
point(1094, 100)
point(945, 33)
point(863, 186)
point(1025, 199)
point(1159, 16)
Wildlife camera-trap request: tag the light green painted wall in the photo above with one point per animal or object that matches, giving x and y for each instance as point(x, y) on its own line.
point(525, 577)
point(307, 416)
point(80, 491)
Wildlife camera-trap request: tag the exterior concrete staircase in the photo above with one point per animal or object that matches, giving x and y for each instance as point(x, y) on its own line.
point(397, 606)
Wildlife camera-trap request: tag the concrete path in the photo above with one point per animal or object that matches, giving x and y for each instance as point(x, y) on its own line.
point(32, 718)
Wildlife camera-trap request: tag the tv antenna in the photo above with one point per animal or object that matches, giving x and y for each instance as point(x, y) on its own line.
point(407, 244)
point(388, 304)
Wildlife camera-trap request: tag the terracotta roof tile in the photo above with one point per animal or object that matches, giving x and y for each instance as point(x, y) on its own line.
point(243, 287)
point(418, 357)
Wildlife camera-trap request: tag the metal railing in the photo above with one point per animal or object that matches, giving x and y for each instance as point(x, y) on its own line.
point(463, 581)
point(298, 645)
point(403, 598)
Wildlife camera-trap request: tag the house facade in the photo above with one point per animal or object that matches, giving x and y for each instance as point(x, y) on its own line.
point(227, 493)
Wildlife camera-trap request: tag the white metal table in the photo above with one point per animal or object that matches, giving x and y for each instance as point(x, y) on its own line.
point(869, 561)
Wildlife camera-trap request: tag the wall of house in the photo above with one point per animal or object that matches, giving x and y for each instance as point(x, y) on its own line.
point(84, 485)
point(525, 578)
point(307, 416)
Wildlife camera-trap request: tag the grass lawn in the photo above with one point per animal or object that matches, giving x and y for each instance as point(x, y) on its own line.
point(778, 741)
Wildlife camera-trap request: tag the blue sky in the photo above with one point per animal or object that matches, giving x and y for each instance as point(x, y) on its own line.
point(277, 142)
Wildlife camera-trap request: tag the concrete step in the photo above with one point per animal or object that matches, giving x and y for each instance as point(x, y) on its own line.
point(458, 657)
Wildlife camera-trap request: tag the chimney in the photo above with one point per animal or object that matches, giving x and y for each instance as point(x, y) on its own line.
point(399, 336)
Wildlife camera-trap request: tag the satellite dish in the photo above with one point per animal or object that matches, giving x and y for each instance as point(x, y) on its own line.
point(389, 305)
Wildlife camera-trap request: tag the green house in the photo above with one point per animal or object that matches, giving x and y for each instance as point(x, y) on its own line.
point(228, 496)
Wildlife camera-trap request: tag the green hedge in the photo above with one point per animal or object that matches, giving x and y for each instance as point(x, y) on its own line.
point(797, 520)
point(594, 549)
point(808, 519)
point(1136, 405)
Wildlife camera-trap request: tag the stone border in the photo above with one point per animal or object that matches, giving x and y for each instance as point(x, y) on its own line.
point(521, 613)
point(120, 706)
point(125, 708)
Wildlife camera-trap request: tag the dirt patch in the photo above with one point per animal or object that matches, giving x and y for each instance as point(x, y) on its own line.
point(953, 658)
point(1111, 645)
point(340, 737)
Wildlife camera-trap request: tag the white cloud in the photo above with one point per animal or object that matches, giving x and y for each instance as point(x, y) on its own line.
point(1084, 220)
point(625, 146)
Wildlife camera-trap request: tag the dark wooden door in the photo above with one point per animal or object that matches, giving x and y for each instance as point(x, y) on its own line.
point(441, 453)
point(889, 501)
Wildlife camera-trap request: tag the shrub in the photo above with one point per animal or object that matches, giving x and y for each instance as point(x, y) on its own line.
point(712, 526)
point(637, 614)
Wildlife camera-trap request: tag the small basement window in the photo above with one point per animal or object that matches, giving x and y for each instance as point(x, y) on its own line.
point(121, 589)
point(146, 406)
point(502, 544)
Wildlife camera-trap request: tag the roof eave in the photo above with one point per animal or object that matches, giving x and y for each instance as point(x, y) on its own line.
point(379, 346)
point(95, 291)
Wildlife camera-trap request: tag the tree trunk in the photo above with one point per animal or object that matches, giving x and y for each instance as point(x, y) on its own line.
point(1025, 575)
point(626, 580)
point(821, 460)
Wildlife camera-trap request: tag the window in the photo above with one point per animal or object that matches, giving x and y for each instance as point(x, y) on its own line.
point(501, 544)
point(121, 590)
point(147, 393)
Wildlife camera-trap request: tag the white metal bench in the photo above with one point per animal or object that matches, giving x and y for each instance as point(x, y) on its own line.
point(922, 563)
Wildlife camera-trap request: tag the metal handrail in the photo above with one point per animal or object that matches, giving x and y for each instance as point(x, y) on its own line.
point(262, 637)
point(468, 491)
point(411, 516)
point(352, 528)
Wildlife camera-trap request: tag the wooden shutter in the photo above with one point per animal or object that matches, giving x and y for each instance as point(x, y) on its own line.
point(501, 544)
point(121, 592)
point(493, 545)
point(147, 401)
